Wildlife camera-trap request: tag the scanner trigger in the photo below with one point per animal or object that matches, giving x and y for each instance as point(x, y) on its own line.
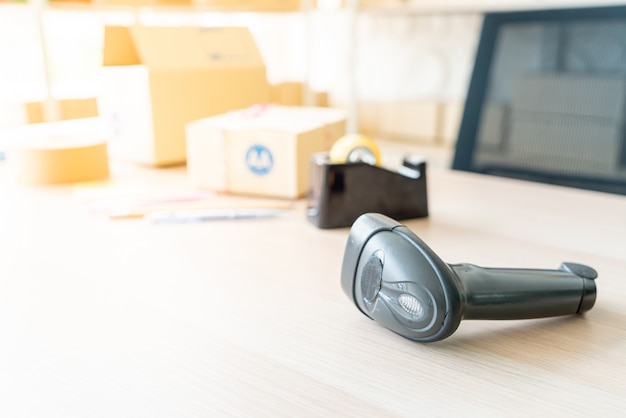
point(580, 270)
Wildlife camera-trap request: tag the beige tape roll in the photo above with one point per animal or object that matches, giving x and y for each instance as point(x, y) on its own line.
point(56, 160)
point(355, 148)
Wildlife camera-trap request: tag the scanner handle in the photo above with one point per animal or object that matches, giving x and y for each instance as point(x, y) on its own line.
point(503, 293)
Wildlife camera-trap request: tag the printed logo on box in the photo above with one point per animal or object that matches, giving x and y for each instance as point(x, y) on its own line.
point(259, 160)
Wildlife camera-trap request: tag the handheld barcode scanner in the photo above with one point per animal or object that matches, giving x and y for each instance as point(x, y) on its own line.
point(394, 278)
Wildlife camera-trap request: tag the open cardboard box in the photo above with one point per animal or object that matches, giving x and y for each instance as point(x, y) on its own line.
point(157, 79)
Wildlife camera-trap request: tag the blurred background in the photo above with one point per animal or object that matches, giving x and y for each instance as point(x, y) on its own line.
point(400, 68)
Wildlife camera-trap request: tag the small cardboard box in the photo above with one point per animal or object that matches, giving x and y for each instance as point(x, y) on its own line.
point(410, 120)
point(157, 79)
point(68, 109)
point(451, 113)
point(262, 150)
point(290, 93)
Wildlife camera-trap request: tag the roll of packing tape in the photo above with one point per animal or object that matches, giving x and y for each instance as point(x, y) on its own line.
point(355, 148)
point(55, 160)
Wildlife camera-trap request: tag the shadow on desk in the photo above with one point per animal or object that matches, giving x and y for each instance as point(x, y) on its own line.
point(574, 346)
point(579, 332)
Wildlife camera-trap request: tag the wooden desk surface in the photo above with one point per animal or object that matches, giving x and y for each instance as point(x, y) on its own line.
point(103, 318)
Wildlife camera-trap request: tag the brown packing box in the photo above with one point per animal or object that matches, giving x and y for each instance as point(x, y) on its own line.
point(68, 109)
point(157, 79)
point(287, 93)
point(290, 93)
point(262, 150)
point(424, 121)
point(410, 120)
point(451, 113)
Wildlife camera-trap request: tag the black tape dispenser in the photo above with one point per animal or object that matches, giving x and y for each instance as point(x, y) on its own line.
point(394, 278)
point(349, 181)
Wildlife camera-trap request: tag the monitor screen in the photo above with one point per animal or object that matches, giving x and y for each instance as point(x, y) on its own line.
point(547, 98)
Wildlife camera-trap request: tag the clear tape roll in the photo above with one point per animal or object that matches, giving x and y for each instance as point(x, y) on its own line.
point(57, 160)
point(355, 148)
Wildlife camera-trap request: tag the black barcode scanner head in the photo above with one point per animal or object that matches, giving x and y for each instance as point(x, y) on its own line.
point(394, 278)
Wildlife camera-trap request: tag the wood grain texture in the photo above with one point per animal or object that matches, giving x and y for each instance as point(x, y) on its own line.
point(104, 318)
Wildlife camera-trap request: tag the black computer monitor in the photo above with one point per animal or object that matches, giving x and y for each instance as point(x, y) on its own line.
point(547, 98)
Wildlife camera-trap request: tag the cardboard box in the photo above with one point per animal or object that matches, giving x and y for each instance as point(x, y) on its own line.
point(287, 93)
point(451, 114)
point(410, 120)
point(68, 109)
point(157, 79)
point(405, 120)
point(368, 117)
point(293, 93)
point(262, 150)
